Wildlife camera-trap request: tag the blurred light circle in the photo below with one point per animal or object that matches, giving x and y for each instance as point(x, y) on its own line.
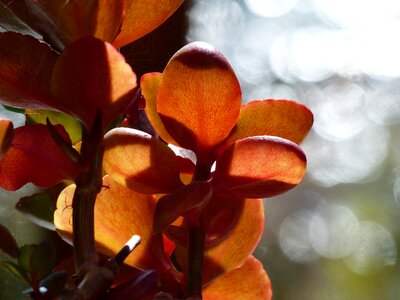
point(374, 249)
point(357, 13)
point(270, 8)
point(293, 237)
point(216, 22)
point(382, 105)
point(376, 50)
point(307, 54)
point(353, 160)
point(332, 230)
point(340, 114)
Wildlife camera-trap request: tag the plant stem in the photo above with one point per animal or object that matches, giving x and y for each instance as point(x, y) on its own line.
point(196, 242)
point(88, 185)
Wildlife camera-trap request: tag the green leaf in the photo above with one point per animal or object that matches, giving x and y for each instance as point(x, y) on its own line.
point(14, 109)
point(39, 208)
point(8, 243)
point(24, 259)
point(16, 270)
point(71, 125)
point(43, 259)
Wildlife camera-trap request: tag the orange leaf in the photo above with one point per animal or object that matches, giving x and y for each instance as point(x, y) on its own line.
point(241, 242)
point(34, 156)
point(141, 17)
point(171, 206)
point(284, 118)
point(199, 99)
point(6, 135)
point(141, 162)
point(92, 76)
point(26, 66)
point(248, 282)
point(149, 84)
point(119, 214)
point(75, 19)
point(259, 166)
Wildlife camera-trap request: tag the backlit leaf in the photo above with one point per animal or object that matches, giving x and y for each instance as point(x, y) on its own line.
point(141, 162)
point(91, 76)
point(119, 214)
point(259, 166)
point(35, 157)
point(248, 282)
point(199, 99)
point(141, 17)
point(283, 118)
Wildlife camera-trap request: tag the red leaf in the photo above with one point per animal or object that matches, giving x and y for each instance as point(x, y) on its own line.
point(35, 157)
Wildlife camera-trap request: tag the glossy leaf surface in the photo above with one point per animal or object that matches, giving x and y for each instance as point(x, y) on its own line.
point(260, 166)
point(199, 98)
point(141, 162)
point(26, 68)
point(141, 17)
point(283, 118)
point(249, 282)
point(119, 214)
point(35, 157)
point(91, 76)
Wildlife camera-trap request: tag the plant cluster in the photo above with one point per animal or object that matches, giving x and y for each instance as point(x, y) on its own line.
point(186, 200)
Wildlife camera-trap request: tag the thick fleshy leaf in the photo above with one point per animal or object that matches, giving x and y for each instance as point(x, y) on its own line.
point(149, 84)
point(259, 166)
point(8, 243)
point(75, 19)
point(26, 67)
point(171, 206)
point(284, 118)
point(141, 17)
point(70, 124)
point(35, 157)
point(141, 162)
point(199, 99)
point(91, 76)
point(6, 135)
point(241, 242)
point(119, 214)
point(249, 282)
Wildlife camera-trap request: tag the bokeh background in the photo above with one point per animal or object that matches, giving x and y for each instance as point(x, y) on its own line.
point(337, 235)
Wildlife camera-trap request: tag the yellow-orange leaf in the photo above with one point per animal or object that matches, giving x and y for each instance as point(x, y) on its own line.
point(141, 162)
point(91, 76)
point(236, 248)
point(141, 17)
point(284, 118)
point(149, 84)
point(199, 99)
point(75, 19)
point(119, 214)
point(259, 166)
point(249, 282)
